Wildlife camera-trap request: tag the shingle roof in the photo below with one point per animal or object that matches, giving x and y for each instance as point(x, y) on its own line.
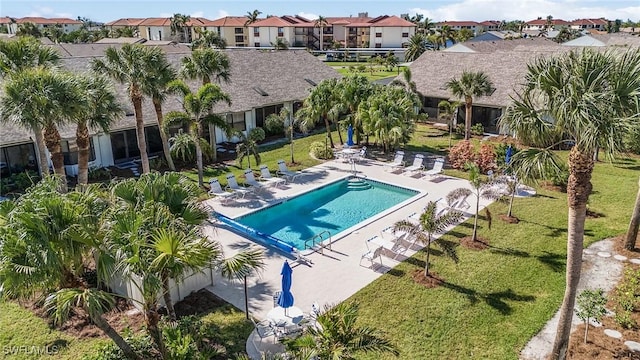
point(281, 74)
point(120, 40)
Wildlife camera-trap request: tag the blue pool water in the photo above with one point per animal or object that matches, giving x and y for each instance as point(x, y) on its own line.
point(333, 207)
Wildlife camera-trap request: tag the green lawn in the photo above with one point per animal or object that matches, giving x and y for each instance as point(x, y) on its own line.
point(493, 301)
point(377, 74)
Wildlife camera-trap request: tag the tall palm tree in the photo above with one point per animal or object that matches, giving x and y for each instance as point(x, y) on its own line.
point(338, 337)
point(481, 187)
point(427, 25)
point(430, 224)
point(634, 224)
point(128, 65)
point(590, 98)
point(352, 90)
point(280, 44)
point(196, 114)
point(248, 146)
point(317, 105)
point(471, 84)
point(446, 34)
point(417, 46)
point(207, 64)
point(41, 100)
point(208, 39)
point(179, 25)
point(252, 16)
point(449, 111)
point(18, 55)
point(321, 22)
point(161, 73)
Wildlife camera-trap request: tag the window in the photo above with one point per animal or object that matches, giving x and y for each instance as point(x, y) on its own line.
point(159, 34)
point(17, 158)
point(237, 121)
point(256, 31)
point(378, 45)
point(239, 31)
point(219, 30)
point(70, 151)
point(280, 31)
point(378, 34)
point(262, 113)
point(239, 38)
point(405, 34)
point(256, 44)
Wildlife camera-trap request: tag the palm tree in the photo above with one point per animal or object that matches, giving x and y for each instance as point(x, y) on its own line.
point(18, 55)
point(352, 90)
point(463, 35)
point(321, 22)
point(248, 146)
point(471, 84)
point(449, 112)
point(102, 110)
point(430, 224)
point(195, 114)
point(634, 223)
point(179, 25)
point(338, 337)
point(41, 99)
point(95, 303)
point(55, 33)
point(240, 267)
point(161, 73)
point(317, 105)
point(406, 81)
point(589, 97)
point(481, 187)
point(252, 16)
point(29, 29)
point(417, 46)
point(206, 64)
point(446, 33)
point(280, 44)
point(427, 24)
point(208, 39)
point(129, 65)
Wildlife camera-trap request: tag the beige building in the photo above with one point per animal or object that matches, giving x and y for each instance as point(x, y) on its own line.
point(232, 29)
point(67, 25)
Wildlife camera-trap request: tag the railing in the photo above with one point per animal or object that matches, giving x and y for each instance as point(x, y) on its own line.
point(319, 239)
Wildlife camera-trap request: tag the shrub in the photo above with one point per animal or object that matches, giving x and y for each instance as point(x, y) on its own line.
point(141, 344)
point(19, 182)
point(632, 141)
point(274, 125)
point(460, 129)
point(97, 173)
point(627, 298)
point(320, 150)
point(461, 153)
point(361, 68)
point(486, 158)
point(501, 153)
point(561, 177)
point(477, 129)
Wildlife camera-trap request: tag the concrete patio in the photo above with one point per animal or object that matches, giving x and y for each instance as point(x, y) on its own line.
point(336, 274)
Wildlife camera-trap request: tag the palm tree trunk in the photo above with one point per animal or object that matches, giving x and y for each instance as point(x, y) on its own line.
point(142, 140)
point(163, 135)
point(328, 126)
point(52, 140)
point(474, 237)
point(44, 160)
point(199, 162)
point(632, 232)
point(513, 195)
point(126, 348)
point(426, 265)
point(152, 319)
point(166, 295)
point(82, 140)
point(578, 190)
point(291, 145)
point(468, 106)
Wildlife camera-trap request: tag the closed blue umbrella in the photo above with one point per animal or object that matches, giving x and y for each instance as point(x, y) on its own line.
point(286, 297)
point(350, 135)
point(507, 157)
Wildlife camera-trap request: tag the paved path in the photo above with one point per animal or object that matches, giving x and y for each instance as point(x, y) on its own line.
point(599, 270)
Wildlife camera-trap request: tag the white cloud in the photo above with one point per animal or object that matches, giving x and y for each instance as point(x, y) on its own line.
point(197, 14)
point(479, 10)
point(309, 16)
point(44, 11)
point(221, 14)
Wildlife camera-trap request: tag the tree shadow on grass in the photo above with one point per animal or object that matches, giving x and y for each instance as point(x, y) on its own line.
point(508, 251)
point(497, 300)
point(555, 231)
point(556, 262)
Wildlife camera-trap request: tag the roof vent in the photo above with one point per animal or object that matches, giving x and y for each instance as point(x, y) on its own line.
point(260, 91)
point(311, 82)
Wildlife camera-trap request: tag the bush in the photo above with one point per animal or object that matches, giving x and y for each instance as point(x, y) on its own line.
point(632, 141)
point(627, 299)
point(19, 182)
point(477, 129)
point(460, 129)
point(561, 177)
point(461, 153)
point(501, 154)
point(320, 150)
point(274, 125)
point(97, 173)
point(141, 344)
point(486, 158)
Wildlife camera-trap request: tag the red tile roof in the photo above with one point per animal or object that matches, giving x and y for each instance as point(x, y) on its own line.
point(589, 22)
point(490, 23)
point(235, 21)
point(46, 21)
point(283, 21)
point(347, 20)
point(6, 20)
point(391, 21)
point(125, 22)
point(156, 22)
point(544, 22)
point(458, 23)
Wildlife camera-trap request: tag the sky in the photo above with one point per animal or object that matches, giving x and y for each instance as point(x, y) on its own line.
point(438, 10)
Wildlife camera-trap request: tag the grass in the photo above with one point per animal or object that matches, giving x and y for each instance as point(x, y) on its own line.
point(27, 336)
point(377, 74)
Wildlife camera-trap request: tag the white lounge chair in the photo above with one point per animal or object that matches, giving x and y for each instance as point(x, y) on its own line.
point(362, 155)
point(371, 255)
point(289, 175)
point(416, 166)
point(264, 329)
point(232, 184)
point(254, 184)
point(265, 175)
point(397, 163)
point(437, 167)
point(216, 189)
point(394, 247)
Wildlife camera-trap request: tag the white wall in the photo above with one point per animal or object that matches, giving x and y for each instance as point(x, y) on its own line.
point(157, 33)
point(391, 36)
point(268, 35)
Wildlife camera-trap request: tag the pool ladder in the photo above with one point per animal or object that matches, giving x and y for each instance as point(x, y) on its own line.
point(317, 241)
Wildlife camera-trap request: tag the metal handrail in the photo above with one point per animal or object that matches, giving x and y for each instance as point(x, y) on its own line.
point(319, 241)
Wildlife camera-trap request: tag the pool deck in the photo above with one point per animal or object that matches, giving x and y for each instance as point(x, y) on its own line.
point(336, 274)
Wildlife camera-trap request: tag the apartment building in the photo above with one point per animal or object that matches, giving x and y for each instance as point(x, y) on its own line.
point(474, 26)
point(9, 25)
point(12, 24)
point(232, 29)
point(589, 24)
point(544, 24)
point(296, 31)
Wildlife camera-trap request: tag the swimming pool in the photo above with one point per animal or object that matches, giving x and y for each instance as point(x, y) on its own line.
point(334, 208)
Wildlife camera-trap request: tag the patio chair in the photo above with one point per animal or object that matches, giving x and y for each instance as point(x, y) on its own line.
point(437, 167)
point(362, 155)
point(265, 175)
point(397, 163)
point(218, 192)
point(416, 166)
point(254, 184)
point(233, 185)
point(371, 255)
point(396, 248)
point(284, 171)
point(276, 296)
point(264, 329)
